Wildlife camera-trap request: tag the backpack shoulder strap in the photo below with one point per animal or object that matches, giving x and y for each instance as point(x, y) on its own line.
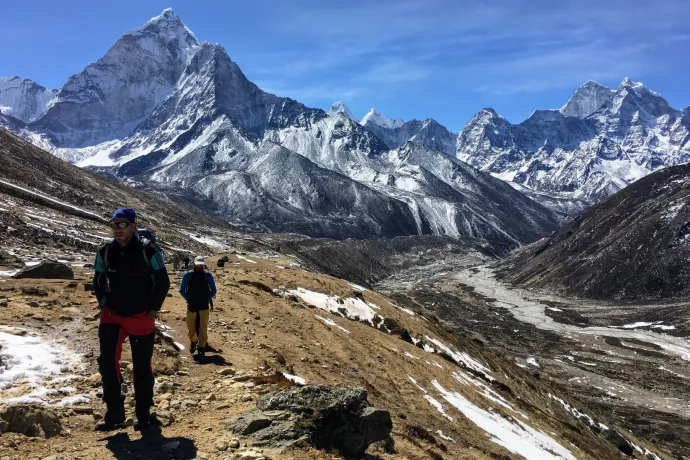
point(106, 252)
point(147, 245)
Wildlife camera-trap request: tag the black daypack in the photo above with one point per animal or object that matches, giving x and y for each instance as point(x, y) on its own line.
point(144, 245)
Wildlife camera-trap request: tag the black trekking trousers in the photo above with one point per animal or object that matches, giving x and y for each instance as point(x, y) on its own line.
point(112, 332)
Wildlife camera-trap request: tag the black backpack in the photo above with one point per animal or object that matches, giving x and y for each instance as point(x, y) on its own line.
point(144, 245)
point(147, 234)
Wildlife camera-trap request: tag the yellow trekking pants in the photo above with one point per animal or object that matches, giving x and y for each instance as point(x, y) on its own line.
point(203, 327)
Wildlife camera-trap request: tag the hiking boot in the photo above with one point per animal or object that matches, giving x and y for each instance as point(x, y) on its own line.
point(143, 419)
point(114, 417)
point(200, 354)
point(192, 347)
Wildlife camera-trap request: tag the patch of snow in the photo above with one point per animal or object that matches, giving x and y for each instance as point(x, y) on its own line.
point(208, 241)
point(533, 362)
point(487, 392)
point(357, 287)
point(32, 360)
point(294, 378)
point(443, 436)
point(410, 355)
point(428, 348)
point(644, 452)
point(438, 406)
point(179, 346)
point(576, 413)
point(462, 358)
point(74, 400)
point(330, 322)
point(636, 325)
point(517, 437)
point(416, 384)
point(406, 310)
point(433, 363)
point(353, 307)
point(245, 259)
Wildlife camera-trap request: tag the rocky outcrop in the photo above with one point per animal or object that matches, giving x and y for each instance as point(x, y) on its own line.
point(9, 260)
point(322, 416)
point(30, 421)
point(48, 269)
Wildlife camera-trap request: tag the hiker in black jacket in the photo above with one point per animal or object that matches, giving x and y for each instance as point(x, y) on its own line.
point(198, 288)
point(131, 284)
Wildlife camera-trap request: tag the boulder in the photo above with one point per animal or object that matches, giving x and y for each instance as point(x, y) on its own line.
point(620, 442)
point(48, 269)
point(8, 260)
point(325, 417)
point(31, 421)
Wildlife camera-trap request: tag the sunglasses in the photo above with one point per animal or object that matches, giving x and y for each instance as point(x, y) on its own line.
point(120, 224)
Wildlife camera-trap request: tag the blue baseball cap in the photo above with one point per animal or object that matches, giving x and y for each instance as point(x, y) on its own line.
point(125, 213)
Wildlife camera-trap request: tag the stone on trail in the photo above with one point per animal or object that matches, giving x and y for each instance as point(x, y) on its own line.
point(222, 445)
point(31, 421)
point(326, 417)
point(48, 269)
point(165, 418)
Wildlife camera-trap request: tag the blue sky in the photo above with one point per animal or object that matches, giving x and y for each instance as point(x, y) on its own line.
point(411, 59)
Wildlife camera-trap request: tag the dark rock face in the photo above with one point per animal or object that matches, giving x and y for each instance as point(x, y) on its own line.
point(31, 421)
point(8, 260)
point(323, 416)
point(48, 269)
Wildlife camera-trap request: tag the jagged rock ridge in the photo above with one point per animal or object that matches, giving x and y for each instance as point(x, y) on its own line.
point(601, 141)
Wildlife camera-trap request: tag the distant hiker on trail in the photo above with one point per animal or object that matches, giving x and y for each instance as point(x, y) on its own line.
point(131, 284)
point(198, 288)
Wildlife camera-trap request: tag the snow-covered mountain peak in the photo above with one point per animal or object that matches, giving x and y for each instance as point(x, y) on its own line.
point(110, 97)
point(167, 22)
point(600, 141)
point(169, 27)
point(632, 97)
point(587, 99)
point(377, 118)
point(23, 99)
point(339, 107)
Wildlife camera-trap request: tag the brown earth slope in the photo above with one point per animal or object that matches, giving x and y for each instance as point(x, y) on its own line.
point(261, 333)
point(633, 246)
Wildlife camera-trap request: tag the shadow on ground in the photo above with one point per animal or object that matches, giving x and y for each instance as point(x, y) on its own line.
point(152, 445)
point(213, 359)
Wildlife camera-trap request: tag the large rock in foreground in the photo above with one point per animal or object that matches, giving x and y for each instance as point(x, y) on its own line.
point(30, 421)
point(323, 416)
point(48, 269)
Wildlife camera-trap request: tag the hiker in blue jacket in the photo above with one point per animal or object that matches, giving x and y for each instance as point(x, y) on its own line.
point(198, 288)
